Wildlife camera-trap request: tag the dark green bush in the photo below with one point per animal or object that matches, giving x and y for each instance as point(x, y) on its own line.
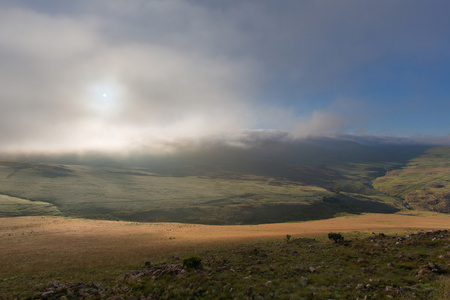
point(192, 262)
point(336, 237)
point(288, 238)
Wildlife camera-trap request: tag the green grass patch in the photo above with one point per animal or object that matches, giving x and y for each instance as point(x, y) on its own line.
point(424, 182)
point(14, 207)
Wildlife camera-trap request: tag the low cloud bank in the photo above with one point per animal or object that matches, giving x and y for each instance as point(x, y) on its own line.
point(257, 147)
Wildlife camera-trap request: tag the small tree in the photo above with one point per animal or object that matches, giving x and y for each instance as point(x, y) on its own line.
point(288, 237)
point(336, 237)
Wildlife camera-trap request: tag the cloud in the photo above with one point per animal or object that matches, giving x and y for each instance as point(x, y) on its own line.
point(109, 75)
point(318, 123)
point(68, 86)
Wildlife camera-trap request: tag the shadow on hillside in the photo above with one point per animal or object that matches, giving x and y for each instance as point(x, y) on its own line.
point(260, 213)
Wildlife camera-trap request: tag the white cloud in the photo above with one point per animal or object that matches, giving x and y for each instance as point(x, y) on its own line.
point(59, 68)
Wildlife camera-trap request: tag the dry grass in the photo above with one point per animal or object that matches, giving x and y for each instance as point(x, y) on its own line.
point(34, 245)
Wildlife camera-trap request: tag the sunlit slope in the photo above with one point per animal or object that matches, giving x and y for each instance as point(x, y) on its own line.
point(141, 195)
point(423, 183)
point(12, 207)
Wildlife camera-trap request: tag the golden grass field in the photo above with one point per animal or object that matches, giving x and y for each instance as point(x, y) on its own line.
point(35, 245)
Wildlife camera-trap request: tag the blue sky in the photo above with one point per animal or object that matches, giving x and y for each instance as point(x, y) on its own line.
point(93, 75)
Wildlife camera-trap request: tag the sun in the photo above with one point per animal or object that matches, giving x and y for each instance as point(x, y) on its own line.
point(104, 98)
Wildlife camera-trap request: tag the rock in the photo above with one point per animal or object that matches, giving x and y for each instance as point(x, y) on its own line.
point(429, 270)
point(362, 261)
point(232, 290)
point(268, 282)
point(312, 269)
point(389, 288)
point(424, 272)
point(47, 294)
point(359, 286)
point(390, 264)
point(435, 268)
point(303, 281)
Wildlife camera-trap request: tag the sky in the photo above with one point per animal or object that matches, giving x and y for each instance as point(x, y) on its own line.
point(115, 75)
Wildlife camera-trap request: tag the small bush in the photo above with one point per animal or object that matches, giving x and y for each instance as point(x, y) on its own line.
point(336, 237)
point(192, 262)
point(288, 238)
point(337, 188)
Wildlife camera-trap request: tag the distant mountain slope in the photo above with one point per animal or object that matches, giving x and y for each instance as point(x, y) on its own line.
point(141, 195)
point(258, 180)
point(423, 183)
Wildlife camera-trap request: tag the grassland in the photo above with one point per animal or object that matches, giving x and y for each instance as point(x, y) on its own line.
point(50, 244)
point(37, 252)
point(12, 206)
point(138, 194)
point(423, 183)
point(269, 184)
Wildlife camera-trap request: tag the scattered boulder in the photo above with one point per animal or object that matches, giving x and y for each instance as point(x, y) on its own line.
point(429, 270)
point(47, 294)
point(362, 261)
point(389, 289)
point(156, 272)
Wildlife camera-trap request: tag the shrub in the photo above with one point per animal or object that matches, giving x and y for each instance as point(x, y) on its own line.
point(336, 237)
point(192, 262)
point(288, 237)
point(337, 188)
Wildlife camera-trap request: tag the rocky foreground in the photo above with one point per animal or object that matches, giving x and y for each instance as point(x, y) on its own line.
point(380, 266)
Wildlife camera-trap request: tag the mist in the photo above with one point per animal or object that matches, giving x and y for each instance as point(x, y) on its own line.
point(152, 78)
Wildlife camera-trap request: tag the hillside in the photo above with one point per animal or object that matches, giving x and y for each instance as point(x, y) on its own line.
point(424, 183)
point(268, 181)
point(141, 195)
point(389, 255)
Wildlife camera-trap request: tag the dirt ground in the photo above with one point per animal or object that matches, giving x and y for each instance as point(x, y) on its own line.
point(34, 244)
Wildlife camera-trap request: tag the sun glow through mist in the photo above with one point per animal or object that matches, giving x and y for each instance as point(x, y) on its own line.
point(105, 98)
